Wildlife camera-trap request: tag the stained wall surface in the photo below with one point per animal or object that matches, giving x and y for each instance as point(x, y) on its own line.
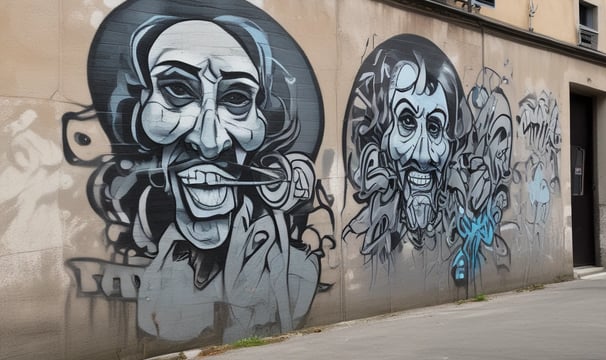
point(178, 174)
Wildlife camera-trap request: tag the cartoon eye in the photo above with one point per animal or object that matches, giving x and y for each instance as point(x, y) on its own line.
point(82, 139)
point(177, 93)
point(178, 90)
point(236, 98)
point(238, 102)
point(434, 126)
point(407, 122)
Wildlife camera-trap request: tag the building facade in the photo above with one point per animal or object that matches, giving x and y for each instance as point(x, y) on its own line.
point(185, 173)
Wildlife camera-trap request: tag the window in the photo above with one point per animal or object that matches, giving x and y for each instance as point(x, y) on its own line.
point(488, 3)
point(588, 15)
point(588, 25)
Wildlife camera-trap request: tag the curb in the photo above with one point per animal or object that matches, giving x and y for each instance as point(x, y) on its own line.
point(584, 271)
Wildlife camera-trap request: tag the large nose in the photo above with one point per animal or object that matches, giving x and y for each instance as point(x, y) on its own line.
point(209, 137)
point(422, 151)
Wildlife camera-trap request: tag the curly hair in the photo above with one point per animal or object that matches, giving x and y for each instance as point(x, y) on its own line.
point(128, 189)
point(370, 170)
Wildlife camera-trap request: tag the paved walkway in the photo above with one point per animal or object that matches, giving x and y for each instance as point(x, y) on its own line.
point(564, 321)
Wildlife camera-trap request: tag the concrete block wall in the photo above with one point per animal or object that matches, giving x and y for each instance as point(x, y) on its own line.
point(185, 173)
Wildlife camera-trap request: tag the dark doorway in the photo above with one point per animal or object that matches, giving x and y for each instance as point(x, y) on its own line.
point(581, 144)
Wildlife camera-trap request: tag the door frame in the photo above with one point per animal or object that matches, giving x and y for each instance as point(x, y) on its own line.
point(598, 164)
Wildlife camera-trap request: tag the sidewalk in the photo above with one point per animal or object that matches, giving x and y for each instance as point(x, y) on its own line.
point(561, 321)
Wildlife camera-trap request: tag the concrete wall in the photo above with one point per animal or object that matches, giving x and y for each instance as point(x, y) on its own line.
point(299, 164)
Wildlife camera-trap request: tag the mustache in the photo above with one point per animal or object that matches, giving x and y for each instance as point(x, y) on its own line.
point(413, 165)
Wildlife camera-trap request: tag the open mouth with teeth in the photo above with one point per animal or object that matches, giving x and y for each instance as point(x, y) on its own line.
point(420, 180)
point(207, 189)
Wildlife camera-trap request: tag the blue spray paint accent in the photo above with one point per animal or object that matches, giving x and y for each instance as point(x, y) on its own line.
point(474, 231)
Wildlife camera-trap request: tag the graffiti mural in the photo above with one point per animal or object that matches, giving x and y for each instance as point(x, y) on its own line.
point(538, 125)
point(479, 183)
point(210, 180)
point(427, 163)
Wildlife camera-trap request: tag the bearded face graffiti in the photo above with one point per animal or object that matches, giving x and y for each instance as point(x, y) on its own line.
point(429, 166)
point(417, 142)
point(406, 117)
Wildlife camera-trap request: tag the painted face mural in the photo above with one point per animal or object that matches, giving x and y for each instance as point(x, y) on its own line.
point(417, 142)
point(406, 116)
point(428, 164)
point(202, 107)
point(207, 188)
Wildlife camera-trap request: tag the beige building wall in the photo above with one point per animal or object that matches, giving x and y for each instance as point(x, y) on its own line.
point(547, 14)
point(556, 19)
point(47, 220)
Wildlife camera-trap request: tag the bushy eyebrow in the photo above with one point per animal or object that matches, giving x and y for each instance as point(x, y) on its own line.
point(438, 110)
point(230, 75)
point(416, 111)
point(181, 68)
point(190, 72)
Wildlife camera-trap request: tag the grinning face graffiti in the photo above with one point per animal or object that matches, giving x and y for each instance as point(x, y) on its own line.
point(417, 141)
point(202, 109)
point(208, 173)
point(407, 119)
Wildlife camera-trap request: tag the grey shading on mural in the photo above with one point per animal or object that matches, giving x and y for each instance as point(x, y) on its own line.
point(215, 118)
point(539, 126)
point(406, 116)
point(428, 164)
point(479, 182)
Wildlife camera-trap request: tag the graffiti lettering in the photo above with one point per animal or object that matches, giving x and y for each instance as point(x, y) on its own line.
point(538, 125)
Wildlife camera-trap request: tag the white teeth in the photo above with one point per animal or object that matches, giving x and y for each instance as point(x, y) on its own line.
point(204, 174)
point(419, 178)
point(199, 178)
point(212, 178)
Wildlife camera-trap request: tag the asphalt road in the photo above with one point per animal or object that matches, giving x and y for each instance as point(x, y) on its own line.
point(562, 321)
